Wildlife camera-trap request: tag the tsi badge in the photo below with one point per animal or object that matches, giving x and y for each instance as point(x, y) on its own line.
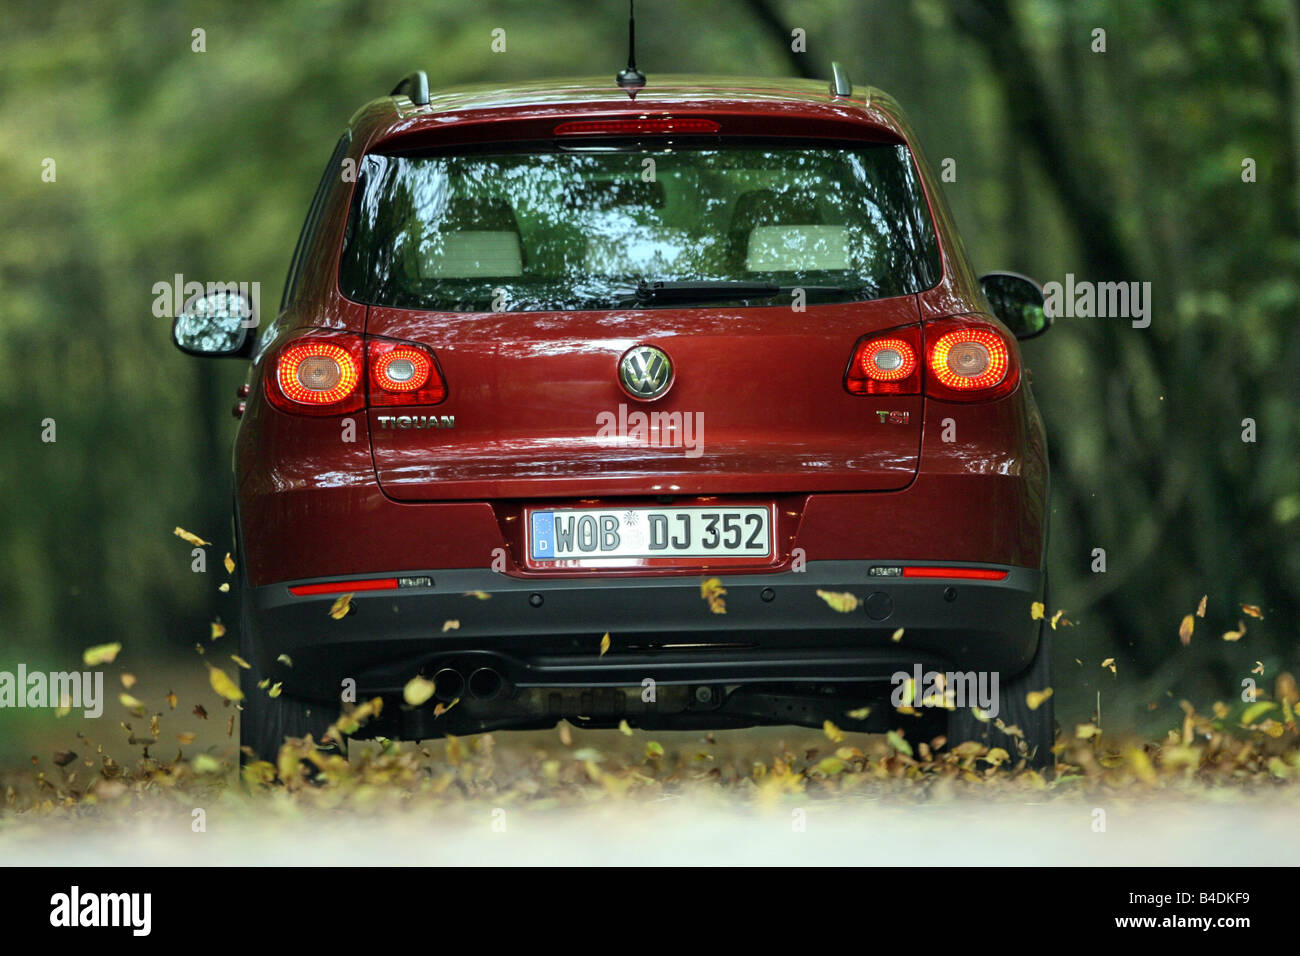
point(417, 421)
point(893, 418)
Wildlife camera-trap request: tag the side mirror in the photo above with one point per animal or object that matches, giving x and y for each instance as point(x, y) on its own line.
point(1018, 302)
point(216, 323)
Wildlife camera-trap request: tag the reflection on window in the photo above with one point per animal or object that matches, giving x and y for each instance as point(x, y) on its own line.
point(580, 230)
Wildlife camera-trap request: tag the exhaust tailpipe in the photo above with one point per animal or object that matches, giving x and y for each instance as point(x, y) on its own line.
point(449, 684)
point(485, 683)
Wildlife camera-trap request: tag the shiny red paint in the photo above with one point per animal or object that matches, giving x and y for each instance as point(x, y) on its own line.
point(780, 427)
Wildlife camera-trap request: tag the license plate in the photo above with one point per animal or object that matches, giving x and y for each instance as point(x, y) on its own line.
point(577, 534)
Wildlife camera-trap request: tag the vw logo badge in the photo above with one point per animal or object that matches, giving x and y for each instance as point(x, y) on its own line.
point(646, 372)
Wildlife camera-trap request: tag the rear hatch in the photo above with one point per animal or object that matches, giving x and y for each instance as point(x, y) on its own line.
point(535, 275)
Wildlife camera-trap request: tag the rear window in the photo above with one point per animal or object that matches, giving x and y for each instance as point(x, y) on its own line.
point(594, 228)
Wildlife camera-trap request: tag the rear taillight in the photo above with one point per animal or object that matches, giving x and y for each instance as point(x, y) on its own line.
point(968, 360)
point(965, 360)
point(886, 364)
point(321, 373)
point(403, 374)
point(317, 374)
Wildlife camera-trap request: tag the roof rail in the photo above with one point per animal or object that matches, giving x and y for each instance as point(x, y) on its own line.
point(840, 84)
point(414, 85)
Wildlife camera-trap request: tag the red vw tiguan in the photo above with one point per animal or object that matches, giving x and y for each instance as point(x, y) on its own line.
point(679, 405)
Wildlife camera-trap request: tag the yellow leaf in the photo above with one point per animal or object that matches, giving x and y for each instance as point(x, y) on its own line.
point(1258, 668)
point(604, 644)
point(1185, 630)
point(274, 690)
point(284, 659)
point(223, 685)
point(171, 699)
point(1109, 663)
point(264, 683)
point(481, 595)
point(1141, 765)
point(241, 662)
point(450, 626)
point(1200, 608)
point(833, 732)
point(440, 708)
point(711, 590)
point(128, 681)
point(186, 738)
point(225, 587)
point(1087, 731)
point(100, 654)
point(1036, 610)
point(1236, 635)
point(840, 601)
point(193, 539)
point(997, 756)
point(130, 703)
point(898, 743)
point(897, 636)
point(624, 729)
point(218, 630)
point(1255, 711)
point(830, 766)
point(1035, 698)
point(418, 690)
point(860, 714)
point(1057, 618)
point(339, 609)
point(1253, 610)
point(654, 749)
point(229, 563)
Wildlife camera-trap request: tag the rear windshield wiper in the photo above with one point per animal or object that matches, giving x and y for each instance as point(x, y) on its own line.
point(696, 290)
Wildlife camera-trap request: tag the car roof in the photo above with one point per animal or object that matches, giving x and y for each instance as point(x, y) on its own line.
point(590, 95)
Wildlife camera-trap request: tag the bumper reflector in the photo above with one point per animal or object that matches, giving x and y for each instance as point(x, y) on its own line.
point(343, 587)
point(974, 574)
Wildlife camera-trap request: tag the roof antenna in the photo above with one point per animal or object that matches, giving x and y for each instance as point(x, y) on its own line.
point(631, 79)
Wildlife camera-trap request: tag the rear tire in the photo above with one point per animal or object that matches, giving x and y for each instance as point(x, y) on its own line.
point(1038, 726)
point(266, 721)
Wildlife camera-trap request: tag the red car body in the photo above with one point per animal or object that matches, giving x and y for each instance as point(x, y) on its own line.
point(869, 495)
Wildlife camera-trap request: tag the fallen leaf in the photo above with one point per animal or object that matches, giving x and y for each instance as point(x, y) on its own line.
point(171, 699)
point(418, 690)
point(187, 737)
point(130, 703)
point(481, 595)
point(100, 654)
point(274, 690)
point(654, 749)
point(1253, 610)
point(1109, 663)
point(64, 757)
point(1036, 610)
point(898, 743)
point(897, 636)
point(1258, 668)
point(1200, 608)
point(223, 685)
point(831, 731)
point(128, 681)
point(450, 626)
point(241, 662)
point(225, 587)
point(1185, 630)
point(604, 644)
point(624, 729)
point(218, 630)
point(1035, 698)
point(193, 539)
point(1255, 711)
point(440, 708)
point(841, 601)
point(1236, 635)
point(284, 659)
point(830, 766)
point(229, 563)
point(566, 735)
point(339, 609)
point(860, 714)
point(1087, 731)
point(199, 712)
point(1057, 617)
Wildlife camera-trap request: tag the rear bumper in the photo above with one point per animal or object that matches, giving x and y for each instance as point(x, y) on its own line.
point(545, 633)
